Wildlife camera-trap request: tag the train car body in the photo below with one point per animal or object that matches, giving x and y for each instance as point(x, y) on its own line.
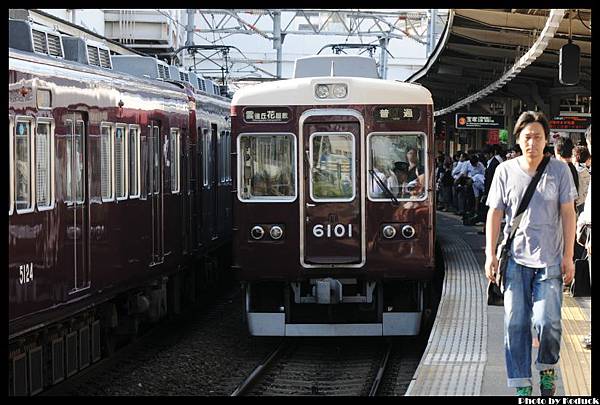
point(117, 205)
point(320, 245)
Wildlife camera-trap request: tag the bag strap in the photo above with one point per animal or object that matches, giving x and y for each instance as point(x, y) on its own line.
point(525, 201)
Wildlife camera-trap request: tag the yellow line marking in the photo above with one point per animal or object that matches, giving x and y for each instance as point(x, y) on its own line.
point(575, 360)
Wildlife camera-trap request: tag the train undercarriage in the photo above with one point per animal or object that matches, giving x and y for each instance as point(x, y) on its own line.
point(338, 307)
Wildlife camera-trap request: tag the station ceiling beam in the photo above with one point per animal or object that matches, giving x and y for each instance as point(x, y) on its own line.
point(412, 24)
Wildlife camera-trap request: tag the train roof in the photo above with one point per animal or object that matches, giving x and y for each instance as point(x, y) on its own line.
point(360, 91)
point(117, 78)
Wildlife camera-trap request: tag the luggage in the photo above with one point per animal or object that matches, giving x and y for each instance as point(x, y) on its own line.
point(580, 286)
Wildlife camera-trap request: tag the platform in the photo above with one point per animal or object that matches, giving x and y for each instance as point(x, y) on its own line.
point(464, 353)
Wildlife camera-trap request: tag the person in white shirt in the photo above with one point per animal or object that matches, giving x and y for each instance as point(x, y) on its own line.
point(397, 180)
point(376, 190)
point(580, 156)
point(585, 222)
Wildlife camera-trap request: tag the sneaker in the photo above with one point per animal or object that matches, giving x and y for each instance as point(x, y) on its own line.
point(587, 341)
point(548, 382)
point(524, 391)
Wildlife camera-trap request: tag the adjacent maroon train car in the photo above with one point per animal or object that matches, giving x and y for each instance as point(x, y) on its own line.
point(334, 218)
point(118, 186)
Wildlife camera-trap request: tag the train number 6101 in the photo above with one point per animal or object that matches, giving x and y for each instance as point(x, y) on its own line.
point(339, 230)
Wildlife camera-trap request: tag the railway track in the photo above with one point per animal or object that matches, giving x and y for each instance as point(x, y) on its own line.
point(322, 366)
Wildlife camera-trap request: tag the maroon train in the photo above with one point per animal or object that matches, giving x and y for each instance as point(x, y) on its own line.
point(119, 200)
point(334, 218)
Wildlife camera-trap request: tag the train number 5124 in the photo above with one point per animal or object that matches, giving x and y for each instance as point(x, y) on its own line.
point(25, 273)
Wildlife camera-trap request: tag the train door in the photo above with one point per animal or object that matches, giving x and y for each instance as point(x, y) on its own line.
point(332, 195)
point(76, 199)
point(155, 193)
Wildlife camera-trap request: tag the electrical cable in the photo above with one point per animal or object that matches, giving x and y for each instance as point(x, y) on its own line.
point(578, 16)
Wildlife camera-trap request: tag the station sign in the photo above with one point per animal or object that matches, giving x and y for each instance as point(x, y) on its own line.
point(256, 115)
point(396, 113)
point(479, 121)
point(570, 123)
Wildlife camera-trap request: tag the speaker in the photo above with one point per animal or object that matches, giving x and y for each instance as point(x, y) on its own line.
point(568, 65)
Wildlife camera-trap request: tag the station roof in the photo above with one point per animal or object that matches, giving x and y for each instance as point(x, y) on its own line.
point(478, 46)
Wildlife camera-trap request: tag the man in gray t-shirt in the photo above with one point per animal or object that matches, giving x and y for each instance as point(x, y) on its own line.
point(541, 252)
point(533, 245)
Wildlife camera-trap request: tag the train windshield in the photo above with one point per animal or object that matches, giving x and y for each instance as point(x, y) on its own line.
point(398, 160)
point(332, 168)
point(268, 170)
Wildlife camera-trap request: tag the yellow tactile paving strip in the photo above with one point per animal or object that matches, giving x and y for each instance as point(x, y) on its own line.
point(575, 359)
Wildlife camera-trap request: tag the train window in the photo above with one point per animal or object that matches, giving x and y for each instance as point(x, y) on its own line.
point(398, 160)
point(267, 167)
point(174, 149)
point(22, 172)
point(332, 167)
point(74, 158)
point(134, 161)
point(156, 160)
point(10, 169)
point(206, 140)
point(43, 167)
point(221, 146)
point(144, 166)
point(228, 156)
point(120, 143)
point(106, 162)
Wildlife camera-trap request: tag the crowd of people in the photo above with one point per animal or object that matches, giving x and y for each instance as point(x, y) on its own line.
point(463, 181)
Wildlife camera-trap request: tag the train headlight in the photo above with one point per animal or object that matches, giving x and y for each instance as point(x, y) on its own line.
point(340, 90)
point(276, 232)
point(322, 91)
point(389, 232)
point(257, 232)
point(408, 231)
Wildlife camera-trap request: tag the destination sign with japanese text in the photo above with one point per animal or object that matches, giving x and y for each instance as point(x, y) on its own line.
point(396, 113)
point(267, 114)
point(570, 123)
point(479, 121)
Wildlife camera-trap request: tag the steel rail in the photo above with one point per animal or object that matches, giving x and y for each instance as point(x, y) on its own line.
point(382, 367)
point(258, 371)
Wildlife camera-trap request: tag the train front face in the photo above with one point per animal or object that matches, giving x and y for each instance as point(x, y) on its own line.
point(333, 217)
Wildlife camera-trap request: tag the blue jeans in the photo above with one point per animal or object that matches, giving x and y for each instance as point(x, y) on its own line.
point(531, 295)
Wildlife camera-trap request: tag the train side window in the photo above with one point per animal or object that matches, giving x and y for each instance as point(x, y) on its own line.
point(206, 138)
point(23, 162)
point(144, 166)
point(398, 160)
point(229, 178)
point(74, 160)
point(120, 146)
point(134, 161)
point(332, 169)
point(175, 150)
point(224, 157)
point(11, 178)
point(43, 165)
point(106, 172)
point(79, 159)
point(221, 149)
point(267, 163)
point(156, 156)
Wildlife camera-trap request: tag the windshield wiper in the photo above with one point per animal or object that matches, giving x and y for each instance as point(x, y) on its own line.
point(384, 187)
